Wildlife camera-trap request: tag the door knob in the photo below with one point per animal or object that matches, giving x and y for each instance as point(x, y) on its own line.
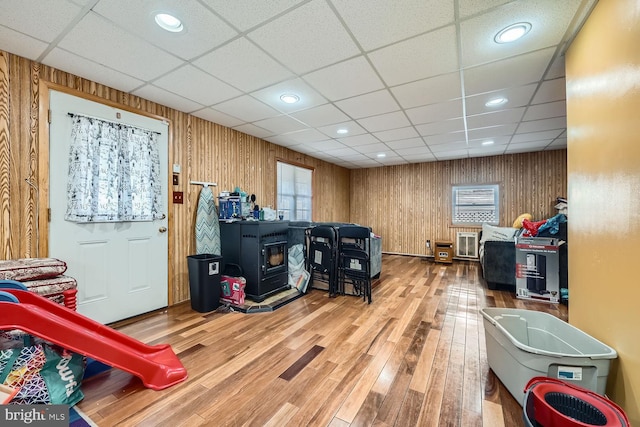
point(162, 229)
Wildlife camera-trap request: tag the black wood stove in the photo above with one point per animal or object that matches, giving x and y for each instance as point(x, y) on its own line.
point(260, 249)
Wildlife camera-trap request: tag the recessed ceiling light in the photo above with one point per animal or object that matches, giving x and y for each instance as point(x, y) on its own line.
point(494, 102)
point(342, 131)
point(289, 98)
point(488, 142)
point(512, 32)
point(169, 22)
point(381, 155)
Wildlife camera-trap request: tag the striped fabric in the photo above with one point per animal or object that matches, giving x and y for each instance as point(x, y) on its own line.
point(207, 225)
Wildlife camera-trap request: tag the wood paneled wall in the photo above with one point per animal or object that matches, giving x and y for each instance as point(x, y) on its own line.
point(205, 151)
point(409, 204)
point(405, 204)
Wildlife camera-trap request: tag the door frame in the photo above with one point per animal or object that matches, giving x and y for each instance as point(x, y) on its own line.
point(43, 166)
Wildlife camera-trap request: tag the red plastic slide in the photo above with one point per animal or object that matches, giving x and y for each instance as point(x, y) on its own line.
point(157, 366)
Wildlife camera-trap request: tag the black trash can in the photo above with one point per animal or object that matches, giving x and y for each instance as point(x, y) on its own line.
point(204, 281)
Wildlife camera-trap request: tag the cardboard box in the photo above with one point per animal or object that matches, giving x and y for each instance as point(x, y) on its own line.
point(232, 289)
point(538, 268)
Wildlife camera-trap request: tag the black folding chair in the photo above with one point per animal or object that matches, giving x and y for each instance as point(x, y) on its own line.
point(354, 266)
point(322, 255)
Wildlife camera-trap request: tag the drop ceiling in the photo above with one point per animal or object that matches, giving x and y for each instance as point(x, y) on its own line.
point(407, 79)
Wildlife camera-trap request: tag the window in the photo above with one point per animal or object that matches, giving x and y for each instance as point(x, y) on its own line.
point(294, 192)
point(475, 204)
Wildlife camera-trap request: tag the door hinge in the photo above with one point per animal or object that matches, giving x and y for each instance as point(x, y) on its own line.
point(49, 116)
point(49, 214)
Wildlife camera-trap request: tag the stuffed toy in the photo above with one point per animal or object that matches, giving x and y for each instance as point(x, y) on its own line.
point(518, 222)
point(531, 227)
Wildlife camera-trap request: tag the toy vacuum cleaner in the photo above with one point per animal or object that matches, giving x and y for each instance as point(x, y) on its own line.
point(554, 403)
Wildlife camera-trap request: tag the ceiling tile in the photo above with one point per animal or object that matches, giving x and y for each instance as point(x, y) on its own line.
point(329, 145)
point(354, 141)
point(497, 141)
point(545, 111)
point(517, 97)
point(471, 7)
point(496, 118)
point(345, 79)
point(492, 131)
point(243, 65)
point(236, 11)
point(385, 121)
point(557, 69)
point(246, 108)
point(516, 71)
point(321, 116)
point(308, 96)
point(217, 117)
point(558, 143)
point(406, 143)
point(306, 38)
point(253, 130)
point(535, 136)
point(352, 128)
point(421, 157)
point(545, 124)
point(412, 59)
point(280, 124)
point(451, 146)
point(412, 151)
point(551, 90)
point(341, 152)
point(371, 104)
point(527, 147)
point(483, 152)
point(102, 42)
point(195, 84)
point(436, 112)
point(20, 44)
point(303, 136)
point(443, 126)
point(368, 19)
point(43, 21)
point(371, 148)
point(391, 161)
point(428, 91)
point(395, 134)
point(202, 29)
point(451, 155)
point(549, 20)
point(162, 97)
point(445, 138)
point(61, 59)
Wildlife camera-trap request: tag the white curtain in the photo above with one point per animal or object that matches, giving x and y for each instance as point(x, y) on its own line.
point(114, 172)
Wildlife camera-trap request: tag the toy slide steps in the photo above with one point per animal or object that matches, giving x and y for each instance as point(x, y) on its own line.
point(157, 366)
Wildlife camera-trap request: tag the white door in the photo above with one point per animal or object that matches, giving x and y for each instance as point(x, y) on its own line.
point(120, 267)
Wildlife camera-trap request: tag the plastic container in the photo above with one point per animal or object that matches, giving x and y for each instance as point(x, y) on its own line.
point(204, 281)
point(523, 344)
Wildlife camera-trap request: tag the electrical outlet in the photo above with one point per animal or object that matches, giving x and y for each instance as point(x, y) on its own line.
point(429, 244)
point(177, 197)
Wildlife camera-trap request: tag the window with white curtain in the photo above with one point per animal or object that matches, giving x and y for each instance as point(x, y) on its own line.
point(294, 191)
point(114, 172)
point(475, 204)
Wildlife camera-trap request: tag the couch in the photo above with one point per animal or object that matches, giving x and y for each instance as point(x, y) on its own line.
point(498, 255)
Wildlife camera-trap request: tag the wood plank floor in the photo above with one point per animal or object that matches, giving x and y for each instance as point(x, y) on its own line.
point(415, 357)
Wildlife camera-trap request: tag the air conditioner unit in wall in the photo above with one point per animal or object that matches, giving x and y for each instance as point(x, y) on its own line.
point(467, 244)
